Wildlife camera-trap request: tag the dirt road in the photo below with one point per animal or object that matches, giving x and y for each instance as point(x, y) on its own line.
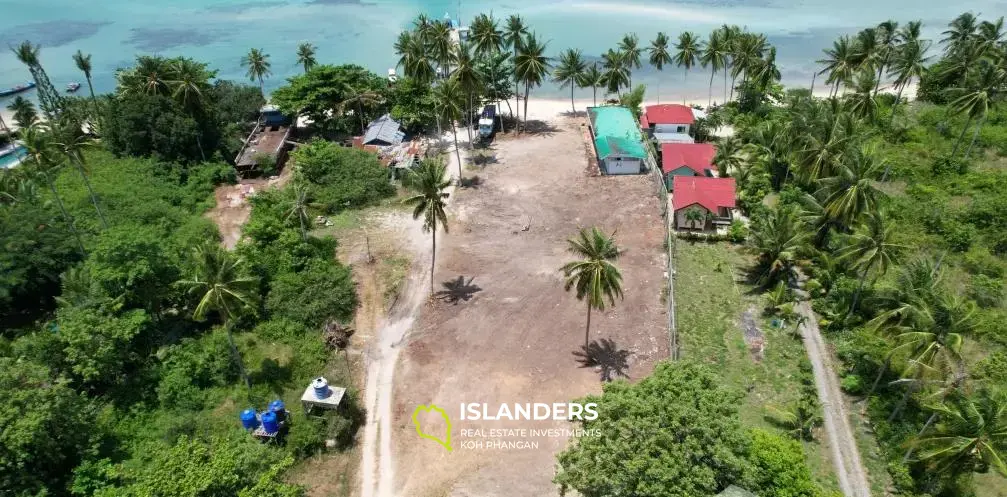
point(845, 454)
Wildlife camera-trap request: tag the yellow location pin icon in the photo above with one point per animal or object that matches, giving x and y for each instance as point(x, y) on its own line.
point(446, 443)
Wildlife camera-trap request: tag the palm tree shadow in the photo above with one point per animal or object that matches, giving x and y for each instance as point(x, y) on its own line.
point(458, 290)
point(604, 355)
point(538, 127)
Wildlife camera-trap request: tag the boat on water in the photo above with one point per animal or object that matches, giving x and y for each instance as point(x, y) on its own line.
point(72, 87)
point(17, 89)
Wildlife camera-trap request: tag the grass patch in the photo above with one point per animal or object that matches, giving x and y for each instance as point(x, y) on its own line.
point(392, 272)
point(710, 299)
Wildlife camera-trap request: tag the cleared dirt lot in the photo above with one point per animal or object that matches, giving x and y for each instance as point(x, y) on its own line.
point(516, 338)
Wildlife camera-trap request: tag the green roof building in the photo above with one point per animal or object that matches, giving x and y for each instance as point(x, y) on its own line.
point(617, 140)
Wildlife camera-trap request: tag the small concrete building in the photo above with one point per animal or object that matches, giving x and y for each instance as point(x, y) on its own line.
point(668, 123)
point(687, 159)
point(617, 140)
point(702, 203)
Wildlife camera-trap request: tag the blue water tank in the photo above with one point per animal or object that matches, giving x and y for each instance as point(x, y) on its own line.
point(248, 419)
point(269, 422)
point(277, 407)
point(321, 386)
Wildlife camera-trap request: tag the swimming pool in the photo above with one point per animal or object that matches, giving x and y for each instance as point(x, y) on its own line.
point(12, 158)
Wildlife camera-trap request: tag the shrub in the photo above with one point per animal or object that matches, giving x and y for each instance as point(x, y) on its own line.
point(948, 165)
point(265, 162)
point(306, 437)
point(342, 178)
point(959, 236)
point(738, 231)
point(279, 329)
point(777, 468)
point(322, 290)
point(986, 291)
point(853, 384)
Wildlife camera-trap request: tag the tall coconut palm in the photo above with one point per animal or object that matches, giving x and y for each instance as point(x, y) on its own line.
point(659, 57)
point(569, 71)
point(991, 33)
point(766, 72)
point(616, 74)
point(686, 52)
point(888, 37)
point(513, 36)
point(975, 99)
point(306, 56)
point(593, 275)
point(414, 58)
point(441, 47)
point(631, 52)
point(83, 63)
point(731, 156)
point(730, 36)
point(48, 98)
point(592, 78)
point(358, 98)
point(190, 82)
point(257, 67)
point(851, 192)
point(531, 67)
point(449, 102)
point(488, 40)
point(960, 33)
point(971, 436)
point(298, 208)
point(68, 139)
point(469, 78)
point(428, 183)
point(910, 32)
point(714, 55)
point(150, 76)
point(871, 250)
point(223, 285)
point(910, 62)
point(863, 103)
point(840, 63)
point(866, 49)
point(41, 158)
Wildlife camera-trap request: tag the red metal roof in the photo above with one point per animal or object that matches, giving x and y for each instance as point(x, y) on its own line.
point(695, 156)
point(667, 114)
point(711, 193)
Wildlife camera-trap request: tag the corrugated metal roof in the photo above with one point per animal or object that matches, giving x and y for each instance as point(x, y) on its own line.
point(616, 132)
point(383, 131)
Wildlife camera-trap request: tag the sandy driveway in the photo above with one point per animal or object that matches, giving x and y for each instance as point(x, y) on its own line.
point(509, 333)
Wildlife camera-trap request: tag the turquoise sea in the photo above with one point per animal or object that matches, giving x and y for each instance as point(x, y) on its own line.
point(362, 31)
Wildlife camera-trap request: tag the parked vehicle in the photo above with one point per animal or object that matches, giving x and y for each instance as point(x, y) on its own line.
point(487, 122)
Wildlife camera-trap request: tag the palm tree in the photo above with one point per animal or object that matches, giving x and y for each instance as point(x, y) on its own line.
point(910, 32)
point(839, 64)
point(414, 58)
point(83, 62)
point(863, 102)
point(616, 73)
point(48, 98)
point(851, 192)
point(448, 103)
point(488, 40)
point(361, 97)
point(888, 36)
point(40, 155)
point(299, 204)
point(223, 285)
point(468, 77)
point(960, 33)
point(513, 36)
point(696, 216)
point(871, 249)
point(686, 53)
point(306, 56)
point(594, 276)
point(730, 36)
point(659, 56)
point(569, 71)
point(766, 72)
point(631, 52)
point(190, 81)
point(971, 437)
point(257, 63)
point(24, 113)
point(531, 66)
point(592, 78)
point(428, 182)
point(731, 156)
point(71, 142)
point(441, 47)
point(747, 54)
point(150, 76)
point(975, 99)
point(776, 238)
point(714, 55)
point(910, 62)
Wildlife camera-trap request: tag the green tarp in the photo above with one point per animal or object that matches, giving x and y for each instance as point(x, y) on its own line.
point(616, 132)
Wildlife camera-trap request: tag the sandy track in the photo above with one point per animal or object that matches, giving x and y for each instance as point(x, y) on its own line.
point(845, 454)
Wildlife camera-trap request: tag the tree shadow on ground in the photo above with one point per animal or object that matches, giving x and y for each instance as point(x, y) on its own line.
point(473, 182)
point(458, 290)
point(606, 356)
point(537, 127)
point(570, 113)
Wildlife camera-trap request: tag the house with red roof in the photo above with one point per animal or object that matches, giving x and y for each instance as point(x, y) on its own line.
point(687, 159)
point(702, 203)
point(668, 122)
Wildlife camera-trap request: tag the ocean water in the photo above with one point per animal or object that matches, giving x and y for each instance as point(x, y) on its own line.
point(362, 31)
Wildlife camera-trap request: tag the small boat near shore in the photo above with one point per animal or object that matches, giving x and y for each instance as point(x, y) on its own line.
point(17, 89)
point(72, 87)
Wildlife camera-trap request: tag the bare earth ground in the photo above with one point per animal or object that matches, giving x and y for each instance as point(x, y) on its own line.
point(514, 341)
point(232, 209)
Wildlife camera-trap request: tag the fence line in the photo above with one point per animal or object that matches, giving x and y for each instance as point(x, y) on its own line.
point(661, 190)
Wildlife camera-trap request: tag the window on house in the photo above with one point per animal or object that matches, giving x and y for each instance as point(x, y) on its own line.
point(681, 129)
